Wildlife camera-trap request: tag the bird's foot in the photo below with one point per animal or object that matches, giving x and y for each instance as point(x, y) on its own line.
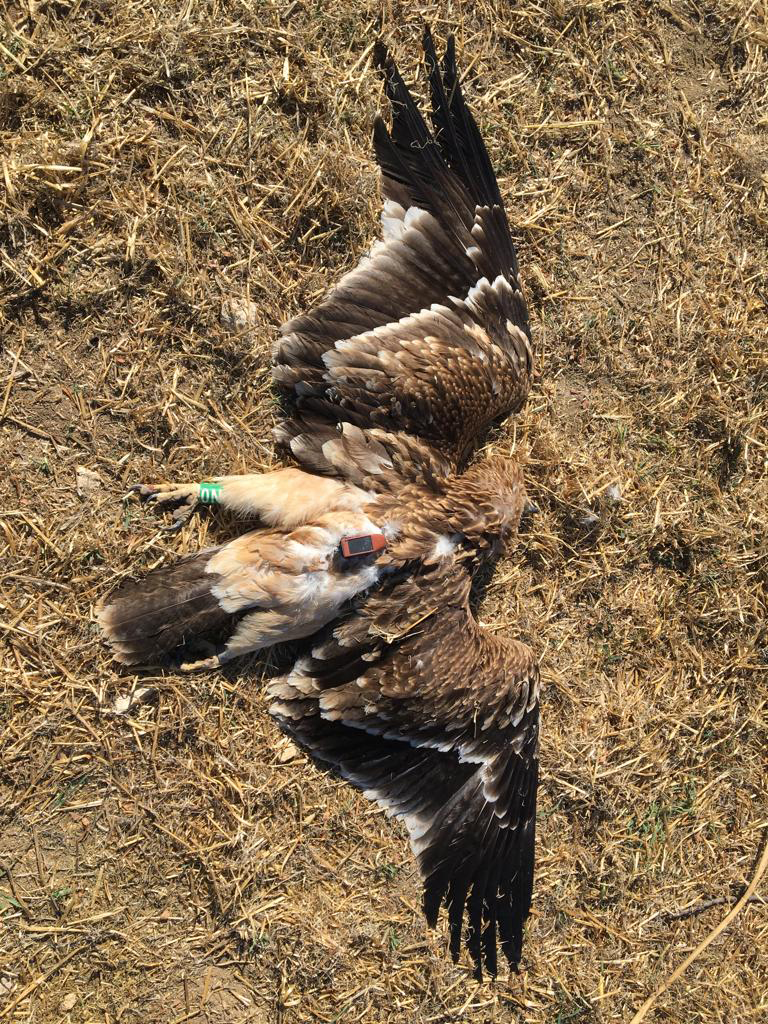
point(185, 496)
point(200, 666)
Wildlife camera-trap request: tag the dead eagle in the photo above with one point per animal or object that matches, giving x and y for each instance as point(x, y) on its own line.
point(394, 378)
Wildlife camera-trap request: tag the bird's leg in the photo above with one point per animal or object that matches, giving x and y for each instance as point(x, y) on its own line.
point(238, 493)
point(260, 629)
point(264, 628)
point(201, 665)
point(201, 647)
point(285, 497)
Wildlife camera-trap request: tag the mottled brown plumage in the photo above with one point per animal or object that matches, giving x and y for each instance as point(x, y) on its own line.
point(393, 379)
point(414, 704)
point(429, 334)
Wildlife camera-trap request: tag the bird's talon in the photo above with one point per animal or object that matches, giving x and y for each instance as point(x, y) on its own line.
point(173, 527)
point(183, 495)
point(145, 491)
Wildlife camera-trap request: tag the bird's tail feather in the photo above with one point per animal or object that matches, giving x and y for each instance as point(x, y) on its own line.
point(149, 618)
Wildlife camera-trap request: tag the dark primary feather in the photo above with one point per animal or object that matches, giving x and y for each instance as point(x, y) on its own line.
point(410, 156)
point(457, 133)
point(447, 132)
point(414, 705)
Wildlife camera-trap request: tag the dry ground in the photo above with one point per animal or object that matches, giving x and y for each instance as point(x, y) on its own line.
point(178, 862)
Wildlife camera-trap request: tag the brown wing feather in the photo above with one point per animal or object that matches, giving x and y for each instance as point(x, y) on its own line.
point(437, 721)
point(413, 267)
point(376, 460)
point(447, 265)
point(442, 375)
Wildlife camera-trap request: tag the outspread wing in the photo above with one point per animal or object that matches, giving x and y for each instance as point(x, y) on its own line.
point(415, 705)
point(429, 333)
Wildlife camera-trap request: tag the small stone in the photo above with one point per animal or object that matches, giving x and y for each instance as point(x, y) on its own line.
point(613, 494)
point(68, 1002)
point(287, 751)
point(124, 704)
point(88, 482)
point(238, 314)
point(588, 520)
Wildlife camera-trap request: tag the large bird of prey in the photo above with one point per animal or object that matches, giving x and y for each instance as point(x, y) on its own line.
point(370, 546)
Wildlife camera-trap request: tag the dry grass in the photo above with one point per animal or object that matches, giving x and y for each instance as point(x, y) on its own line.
point(178, 862)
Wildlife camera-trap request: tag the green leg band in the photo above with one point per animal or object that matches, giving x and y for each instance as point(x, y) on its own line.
point(210, 493)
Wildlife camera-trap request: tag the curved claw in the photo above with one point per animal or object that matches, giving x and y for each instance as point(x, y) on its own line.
point(175, 526)
point(182, 514)
point(146, 492)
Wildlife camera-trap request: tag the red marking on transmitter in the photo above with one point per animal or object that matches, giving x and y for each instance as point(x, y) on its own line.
point(363, 544)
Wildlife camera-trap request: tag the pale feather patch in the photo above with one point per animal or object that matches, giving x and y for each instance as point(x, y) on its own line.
point(392, 529)
point(444, 546)
point(303, 581)
point(392, 216)
point(418, 825)
point(480, 335)
point(296, 684)
point(395, 225)
point(500, 285)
